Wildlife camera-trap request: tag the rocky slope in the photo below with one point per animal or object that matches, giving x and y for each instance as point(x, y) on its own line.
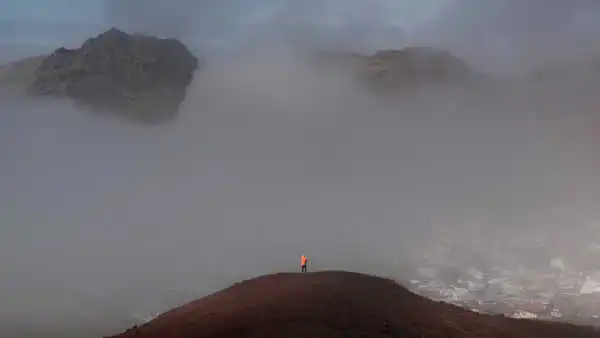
point(335, 304)
point(140, 77)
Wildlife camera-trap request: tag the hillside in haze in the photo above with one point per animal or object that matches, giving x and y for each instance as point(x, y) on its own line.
point(145, 78)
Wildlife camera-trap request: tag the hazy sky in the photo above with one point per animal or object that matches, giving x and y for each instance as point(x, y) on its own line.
point(497, 32)
point(48, 24)
point(56, 11)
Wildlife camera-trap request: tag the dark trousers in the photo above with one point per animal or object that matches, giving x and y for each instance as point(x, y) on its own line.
point(303, 268)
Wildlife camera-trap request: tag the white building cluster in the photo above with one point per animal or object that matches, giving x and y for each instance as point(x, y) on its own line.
point(518, 282)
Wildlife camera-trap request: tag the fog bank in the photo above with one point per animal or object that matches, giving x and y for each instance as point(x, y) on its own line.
point(104, 220)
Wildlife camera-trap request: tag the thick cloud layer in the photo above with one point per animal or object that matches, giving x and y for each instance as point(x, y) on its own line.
point(269, 160)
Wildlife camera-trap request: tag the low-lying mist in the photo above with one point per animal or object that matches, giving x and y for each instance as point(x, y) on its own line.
point(103, 220)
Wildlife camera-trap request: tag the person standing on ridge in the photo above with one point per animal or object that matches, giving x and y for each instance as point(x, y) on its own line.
point(303, 262)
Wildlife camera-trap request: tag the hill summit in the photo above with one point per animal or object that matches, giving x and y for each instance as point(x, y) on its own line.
point(335, 304)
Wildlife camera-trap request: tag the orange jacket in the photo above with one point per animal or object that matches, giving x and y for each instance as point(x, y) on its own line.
point(303, 260)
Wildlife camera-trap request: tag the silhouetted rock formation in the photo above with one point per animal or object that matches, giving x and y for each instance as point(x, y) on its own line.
point(335, 304)
point(401, 72)
point(139, 76)
point(416, 66)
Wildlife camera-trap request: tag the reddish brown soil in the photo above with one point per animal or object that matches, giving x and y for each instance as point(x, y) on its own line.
point(335, 304)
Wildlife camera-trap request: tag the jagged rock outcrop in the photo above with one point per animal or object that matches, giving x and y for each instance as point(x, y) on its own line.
point(138, 76)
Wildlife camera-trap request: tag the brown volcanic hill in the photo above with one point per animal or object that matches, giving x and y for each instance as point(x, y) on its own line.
point(335, 304)
point(141, 77)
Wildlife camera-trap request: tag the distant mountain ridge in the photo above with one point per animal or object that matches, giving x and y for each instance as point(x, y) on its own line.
point(145, 78)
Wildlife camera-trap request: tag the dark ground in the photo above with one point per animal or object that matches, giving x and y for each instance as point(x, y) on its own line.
point(335, 304)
